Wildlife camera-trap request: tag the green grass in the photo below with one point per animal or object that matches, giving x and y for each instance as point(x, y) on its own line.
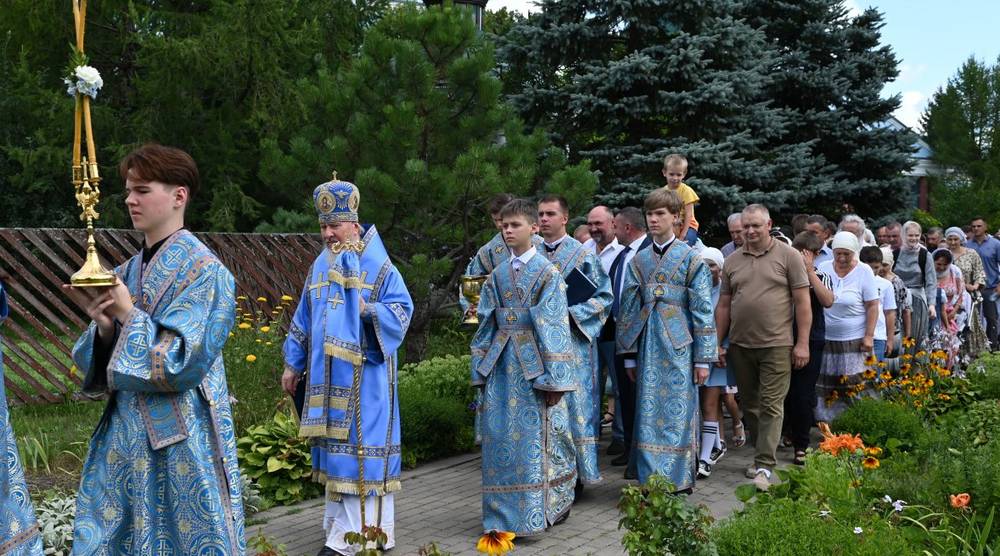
point(53, 438)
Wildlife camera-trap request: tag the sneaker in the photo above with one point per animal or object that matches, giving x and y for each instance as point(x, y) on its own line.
point(750, 472)
point(762, 480)
point(704, 469)
point(717, 453)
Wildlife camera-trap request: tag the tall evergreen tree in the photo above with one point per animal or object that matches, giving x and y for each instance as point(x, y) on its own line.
point(828, 79)
point(962, 126)
point(625, 82)
point(418, 123)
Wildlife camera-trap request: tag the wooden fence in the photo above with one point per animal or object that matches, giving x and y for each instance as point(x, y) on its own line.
point(44, 324)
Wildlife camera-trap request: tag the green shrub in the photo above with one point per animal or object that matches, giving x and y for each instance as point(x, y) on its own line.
point(880, 423)
point(278, 460)
point(659, 522)
point(435, 408)
point(984, 375)
point(785, 527)
point(433, 426)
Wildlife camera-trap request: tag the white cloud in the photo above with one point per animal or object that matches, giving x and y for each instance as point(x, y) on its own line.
point(910, 72)
point(523, 6)
point(911, 107)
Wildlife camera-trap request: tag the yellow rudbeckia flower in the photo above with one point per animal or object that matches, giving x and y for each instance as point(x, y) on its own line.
point(251, 358)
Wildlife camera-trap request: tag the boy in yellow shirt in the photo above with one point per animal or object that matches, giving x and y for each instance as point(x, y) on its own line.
point(675, 169)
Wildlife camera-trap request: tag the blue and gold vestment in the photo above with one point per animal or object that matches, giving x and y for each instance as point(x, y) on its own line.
point(349, 361)
point(667, 323)
point(19, 534)
point(586, 320)
point(522, 349)
point(161, 475)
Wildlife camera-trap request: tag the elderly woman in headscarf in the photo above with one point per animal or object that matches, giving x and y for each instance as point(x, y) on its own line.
point(974, 339)
point(850, 327)
point(915, 267)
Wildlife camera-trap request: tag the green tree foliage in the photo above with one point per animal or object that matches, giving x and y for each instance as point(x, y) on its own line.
point(218, 78)
point(417, 122)
point(624, 83)
point(962, 125)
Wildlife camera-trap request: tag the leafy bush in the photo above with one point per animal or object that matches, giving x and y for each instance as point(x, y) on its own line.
point(55, 513)
point(880, 423)
point(984, 375)
point(278, 460)
point(659, 522)
point(435, 407)
point(786, 527)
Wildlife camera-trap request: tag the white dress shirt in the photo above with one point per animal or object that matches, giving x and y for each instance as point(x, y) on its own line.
point(607, 255)
point(518, 262)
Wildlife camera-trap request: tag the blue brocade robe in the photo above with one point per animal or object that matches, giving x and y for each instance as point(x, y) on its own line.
point(349, 357)
point(667, 323)
point(19, 534)
point(522, 349)
point(161, 475)
point(586, 319)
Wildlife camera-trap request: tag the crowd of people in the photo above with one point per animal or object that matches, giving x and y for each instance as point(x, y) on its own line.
point(671, 336)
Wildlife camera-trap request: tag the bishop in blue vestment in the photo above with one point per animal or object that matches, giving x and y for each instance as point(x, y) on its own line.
point(19, 534)
point(352, 317)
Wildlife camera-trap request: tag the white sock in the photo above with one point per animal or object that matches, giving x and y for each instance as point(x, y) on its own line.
point(709, 436)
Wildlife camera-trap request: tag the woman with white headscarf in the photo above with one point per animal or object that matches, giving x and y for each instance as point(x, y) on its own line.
point(850, 327)
point(974, 339)
point(915, 267)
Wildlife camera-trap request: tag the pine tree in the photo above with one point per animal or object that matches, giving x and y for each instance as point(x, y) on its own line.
point(828, 79)
point(962, 126)
point(418, 123)
point(623, 83)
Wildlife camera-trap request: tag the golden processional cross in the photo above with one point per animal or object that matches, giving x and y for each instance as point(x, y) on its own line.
point(86, 177)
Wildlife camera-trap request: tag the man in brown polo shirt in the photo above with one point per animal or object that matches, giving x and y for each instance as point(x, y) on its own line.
point(764, 285)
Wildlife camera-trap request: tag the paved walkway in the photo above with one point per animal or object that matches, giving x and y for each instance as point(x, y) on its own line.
point(440, 503)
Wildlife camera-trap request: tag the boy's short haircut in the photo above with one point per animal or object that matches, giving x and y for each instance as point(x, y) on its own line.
point(807, 241)
point(663, 198)
point(870, 254)
point(167, 165)
point(817, 219)
point(550, 198)
point(520, 207)
point(673, 159)
point(498, 201)
point(799, 223)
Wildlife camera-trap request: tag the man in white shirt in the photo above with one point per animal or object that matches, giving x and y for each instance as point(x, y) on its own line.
point(602, 242)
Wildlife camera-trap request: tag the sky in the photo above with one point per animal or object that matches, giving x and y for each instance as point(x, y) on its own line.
point(931, 39)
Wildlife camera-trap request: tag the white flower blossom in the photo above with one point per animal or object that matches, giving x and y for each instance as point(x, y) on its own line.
point(86, 80)
point(824, 513)
point(858, 530)
point(887, 498)
point(898, 505)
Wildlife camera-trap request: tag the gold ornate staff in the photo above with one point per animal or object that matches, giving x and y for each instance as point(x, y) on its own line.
point(86, 177)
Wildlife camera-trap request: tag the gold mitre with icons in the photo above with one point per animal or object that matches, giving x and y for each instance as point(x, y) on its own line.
point(337, 201)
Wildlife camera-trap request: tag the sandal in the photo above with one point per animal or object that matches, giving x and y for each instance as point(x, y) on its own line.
point(799, 458)
point(739, 434)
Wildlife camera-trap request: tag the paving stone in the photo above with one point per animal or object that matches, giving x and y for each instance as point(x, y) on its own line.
point(440, 502)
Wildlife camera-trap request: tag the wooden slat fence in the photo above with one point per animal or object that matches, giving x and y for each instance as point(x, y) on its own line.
point(43, 326)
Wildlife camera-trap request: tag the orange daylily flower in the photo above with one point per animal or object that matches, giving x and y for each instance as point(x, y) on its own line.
point(495, 543)
point(836, 443)
point(960, 500)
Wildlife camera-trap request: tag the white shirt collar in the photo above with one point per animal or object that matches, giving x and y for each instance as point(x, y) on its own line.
point(518, 262)
point(664, 246)
point(634, 246)
point(556, 242)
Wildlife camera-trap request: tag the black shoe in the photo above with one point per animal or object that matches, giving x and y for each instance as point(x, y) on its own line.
point(577, 490)
point(620, 460)
point(561, 519)
point(616, 448)
point(630, 475)
point(327, 551)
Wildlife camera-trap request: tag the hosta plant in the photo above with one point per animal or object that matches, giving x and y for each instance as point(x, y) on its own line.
point(278, 460)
